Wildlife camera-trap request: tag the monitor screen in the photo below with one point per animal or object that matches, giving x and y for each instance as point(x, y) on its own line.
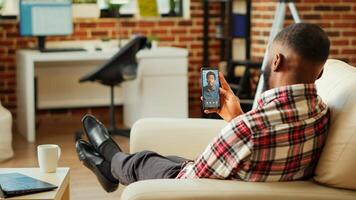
point(45, 17)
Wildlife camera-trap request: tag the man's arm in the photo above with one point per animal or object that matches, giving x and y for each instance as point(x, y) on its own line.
point(223, 155)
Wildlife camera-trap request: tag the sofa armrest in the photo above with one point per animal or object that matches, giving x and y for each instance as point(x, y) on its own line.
point(209, 189)
point(171, 136)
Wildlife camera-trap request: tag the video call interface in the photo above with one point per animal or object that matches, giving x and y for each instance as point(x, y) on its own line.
point(210, 84)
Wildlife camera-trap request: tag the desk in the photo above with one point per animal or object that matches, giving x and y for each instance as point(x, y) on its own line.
point(60, 179)
point(58, 75)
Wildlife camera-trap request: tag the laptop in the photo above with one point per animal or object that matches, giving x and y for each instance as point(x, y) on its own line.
point(15, 184)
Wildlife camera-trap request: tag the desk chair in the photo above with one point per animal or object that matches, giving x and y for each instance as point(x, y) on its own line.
point(121, 67)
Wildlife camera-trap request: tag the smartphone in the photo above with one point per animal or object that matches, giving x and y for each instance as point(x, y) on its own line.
point(210, 87)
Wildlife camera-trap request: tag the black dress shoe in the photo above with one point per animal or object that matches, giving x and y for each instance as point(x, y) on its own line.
point(99, 136)
point(97, 165)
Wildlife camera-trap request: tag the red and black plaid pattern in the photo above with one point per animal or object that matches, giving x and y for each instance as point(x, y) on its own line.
point(280, 140)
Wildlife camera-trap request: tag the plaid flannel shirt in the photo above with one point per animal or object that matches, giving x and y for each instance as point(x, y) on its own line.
point(280, 140)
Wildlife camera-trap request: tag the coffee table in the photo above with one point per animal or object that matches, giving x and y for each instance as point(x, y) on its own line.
point(60, 179)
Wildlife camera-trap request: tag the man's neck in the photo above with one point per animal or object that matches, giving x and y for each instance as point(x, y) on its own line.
point(291, 80)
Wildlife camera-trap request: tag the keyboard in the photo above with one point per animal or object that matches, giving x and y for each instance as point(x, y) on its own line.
point(53, 50)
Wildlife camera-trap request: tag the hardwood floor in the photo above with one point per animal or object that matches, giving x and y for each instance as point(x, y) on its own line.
point(61, 130)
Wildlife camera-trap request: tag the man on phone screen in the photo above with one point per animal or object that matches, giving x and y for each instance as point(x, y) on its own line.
point(211, 90)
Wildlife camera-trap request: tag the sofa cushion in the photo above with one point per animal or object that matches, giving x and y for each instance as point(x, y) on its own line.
point(209, 189)
point(337, 164)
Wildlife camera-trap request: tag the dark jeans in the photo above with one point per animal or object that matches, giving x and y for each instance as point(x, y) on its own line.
point(129, 168)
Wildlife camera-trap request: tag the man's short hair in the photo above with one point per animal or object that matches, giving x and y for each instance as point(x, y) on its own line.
point(308, 40)
point(210, 73)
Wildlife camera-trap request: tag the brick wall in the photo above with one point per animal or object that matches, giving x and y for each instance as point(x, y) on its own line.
point(171, 32)
point(336, 17)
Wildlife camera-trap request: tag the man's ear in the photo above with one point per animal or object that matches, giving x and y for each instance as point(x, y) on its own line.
point(277, 62)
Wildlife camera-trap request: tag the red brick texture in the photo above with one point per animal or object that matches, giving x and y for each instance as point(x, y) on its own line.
point(336, 17)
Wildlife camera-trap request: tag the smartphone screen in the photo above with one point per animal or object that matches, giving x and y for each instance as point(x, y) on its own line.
point(210, 87)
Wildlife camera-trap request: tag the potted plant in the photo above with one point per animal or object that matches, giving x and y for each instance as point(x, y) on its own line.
point(85, 9)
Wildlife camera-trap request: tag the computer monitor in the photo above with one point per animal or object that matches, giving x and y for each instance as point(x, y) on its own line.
point(43, 18)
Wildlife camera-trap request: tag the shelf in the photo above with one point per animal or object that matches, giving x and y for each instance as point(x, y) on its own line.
point(217, 1)
point(249, 63)
point(227, 35)
point(224, 38)
point(246, 101)
point(234, 42)
point(234, 86)
point(8, 17)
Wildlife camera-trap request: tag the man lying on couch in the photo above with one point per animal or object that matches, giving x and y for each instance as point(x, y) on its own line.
point(280, 140)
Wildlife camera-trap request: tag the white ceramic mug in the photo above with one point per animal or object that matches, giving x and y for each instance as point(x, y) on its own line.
point(48, 156)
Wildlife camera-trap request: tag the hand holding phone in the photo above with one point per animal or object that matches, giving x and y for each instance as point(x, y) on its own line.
point(229, 108)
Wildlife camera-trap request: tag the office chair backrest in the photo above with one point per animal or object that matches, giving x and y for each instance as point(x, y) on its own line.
point(122, 66)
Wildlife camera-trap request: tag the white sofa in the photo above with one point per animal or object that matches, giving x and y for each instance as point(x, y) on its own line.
point(6, 151)
point(188, 137)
